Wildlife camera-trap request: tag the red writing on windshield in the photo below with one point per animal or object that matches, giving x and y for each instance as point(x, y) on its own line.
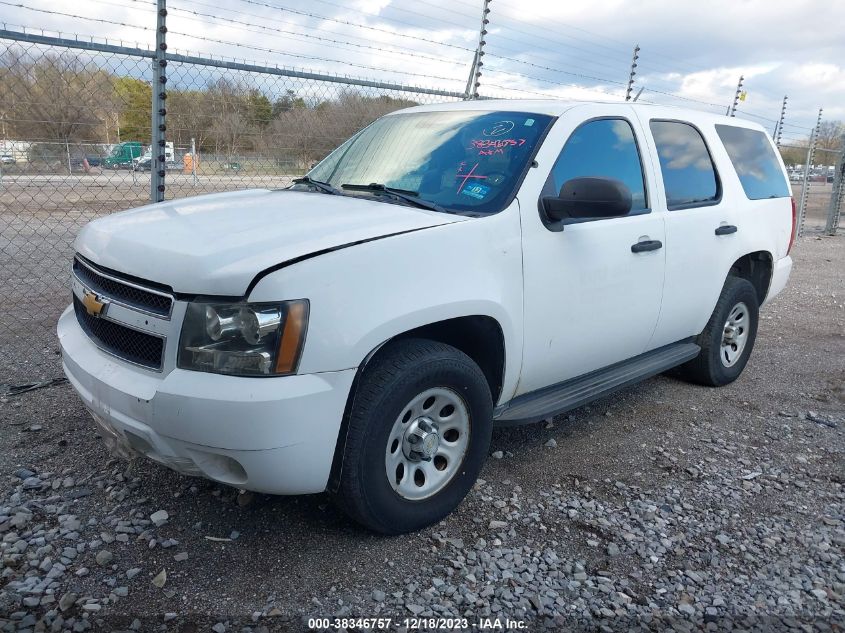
point(466, 176)
point(497, 143)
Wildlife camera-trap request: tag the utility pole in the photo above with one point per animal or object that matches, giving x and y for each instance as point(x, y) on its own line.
point(805, 186)
point(474, 80)
point(159, 126)
point(776, 135)
point(732, 110)
point(633, 72)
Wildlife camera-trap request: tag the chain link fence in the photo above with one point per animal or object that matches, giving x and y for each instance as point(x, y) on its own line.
point(816, 190)
point(74, 138)
point(75, 132)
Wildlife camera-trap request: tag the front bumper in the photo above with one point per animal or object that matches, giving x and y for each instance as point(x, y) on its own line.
point(272, 435)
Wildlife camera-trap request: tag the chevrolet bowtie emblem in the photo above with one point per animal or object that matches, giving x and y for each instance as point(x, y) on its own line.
point(94, 306)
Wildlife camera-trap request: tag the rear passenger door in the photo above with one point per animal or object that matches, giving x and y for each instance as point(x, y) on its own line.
point(700, 227)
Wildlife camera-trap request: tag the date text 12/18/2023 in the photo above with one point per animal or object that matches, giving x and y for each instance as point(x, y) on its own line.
point(497, 623)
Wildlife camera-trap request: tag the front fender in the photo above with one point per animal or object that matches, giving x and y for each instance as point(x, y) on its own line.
point(367, 294)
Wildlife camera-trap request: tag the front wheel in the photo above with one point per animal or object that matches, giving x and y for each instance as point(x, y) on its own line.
point(728, 338)
point(419, 431)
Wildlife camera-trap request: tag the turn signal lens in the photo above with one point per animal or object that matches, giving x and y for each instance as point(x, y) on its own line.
point(293, 337)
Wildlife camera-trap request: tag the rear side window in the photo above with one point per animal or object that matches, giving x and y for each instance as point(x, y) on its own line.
point(603, 148)
point(755, 162)
point(689, 177)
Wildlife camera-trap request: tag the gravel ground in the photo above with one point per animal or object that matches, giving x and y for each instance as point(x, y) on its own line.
point(664, 507)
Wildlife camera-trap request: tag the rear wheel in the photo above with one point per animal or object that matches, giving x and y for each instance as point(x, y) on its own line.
point(419, 432)
point(728, 338)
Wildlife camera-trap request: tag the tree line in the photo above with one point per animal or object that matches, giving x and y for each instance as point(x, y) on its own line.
point(57, 97)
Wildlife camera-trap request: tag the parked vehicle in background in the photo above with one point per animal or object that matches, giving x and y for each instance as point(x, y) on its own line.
point(144, 161)
point(123, 155)
point(7, 159)
point(449, 268)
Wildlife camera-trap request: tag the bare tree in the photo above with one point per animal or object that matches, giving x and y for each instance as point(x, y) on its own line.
point(55, 98)
point(830, 134)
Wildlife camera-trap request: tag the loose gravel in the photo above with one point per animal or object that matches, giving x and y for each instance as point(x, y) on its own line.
point(664, 507)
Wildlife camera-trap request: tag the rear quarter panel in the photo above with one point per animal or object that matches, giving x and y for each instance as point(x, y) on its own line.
point(764, 225)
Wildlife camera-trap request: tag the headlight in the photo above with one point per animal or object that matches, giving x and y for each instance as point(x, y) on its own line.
point(243, 339)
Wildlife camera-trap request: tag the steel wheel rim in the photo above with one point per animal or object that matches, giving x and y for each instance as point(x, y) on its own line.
point(734, 335)
point(415, 478)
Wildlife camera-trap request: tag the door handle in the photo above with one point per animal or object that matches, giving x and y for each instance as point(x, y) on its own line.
point(646, 245)
point(726, 229)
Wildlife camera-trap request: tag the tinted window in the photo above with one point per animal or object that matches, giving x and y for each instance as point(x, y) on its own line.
point(688, 174)
point(755, 162)
point(464, 161)
point(603, 148)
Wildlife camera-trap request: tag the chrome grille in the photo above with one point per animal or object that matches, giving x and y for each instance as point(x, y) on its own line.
point(122, 291)
point(124, 342)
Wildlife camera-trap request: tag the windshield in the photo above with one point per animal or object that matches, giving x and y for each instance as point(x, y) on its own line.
point(461, 161)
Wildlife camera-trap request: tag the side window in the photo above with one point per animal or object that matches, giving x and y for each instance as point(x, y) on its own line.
point(603, 148)
point(689, 177)
point(755, 162)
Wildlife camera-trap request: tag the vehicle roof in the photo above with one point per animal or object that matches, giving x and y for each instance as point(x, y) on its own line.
point(555, 107)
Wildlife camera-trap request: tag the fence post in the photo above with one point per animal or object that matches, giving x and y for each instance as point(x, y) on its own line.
point(633, 72)
point(776, 136)
point(67, 158)
point(732, 108)
point(158, 159)
point(836, 195)
point(474, 80)
point(805, 186)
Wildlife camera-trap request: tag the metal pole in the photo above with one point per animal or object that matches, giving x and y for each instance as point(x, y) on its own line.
point(835, 209)
point(471, 78)
point(633, 72)
point(776, 135)
point(67, 156)
point(805, 187)
point(157, 153)
point(474, 80)
point(732, 109)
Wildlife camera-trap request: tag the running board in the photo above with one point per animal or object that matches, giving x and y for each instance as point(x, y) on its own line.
point(571, 394)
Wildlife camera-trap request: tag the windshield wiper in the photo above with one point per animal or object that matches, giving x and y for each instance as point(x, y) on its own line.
point(319, 185)
point(411, 197)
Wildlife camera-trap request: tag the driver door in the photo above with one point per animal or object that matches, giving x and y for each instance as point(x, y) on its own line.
point(590, 300)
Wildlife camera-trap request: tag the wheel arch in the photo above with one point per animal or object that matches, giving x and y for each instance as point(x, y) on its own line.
point(757, 268)
point(478, 336)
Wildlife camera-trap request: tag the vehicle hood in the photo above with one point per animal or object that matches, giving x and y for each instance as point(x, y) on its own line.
point(216, 244)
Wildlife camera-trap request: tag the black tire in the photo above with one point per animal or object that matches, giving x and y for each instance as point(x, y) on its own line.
point(708, 367)
point(396, 375)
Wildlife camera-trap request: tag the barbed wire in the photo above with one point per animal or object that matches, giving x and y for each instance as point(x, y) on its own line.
point(307, 36)
point(502, 63)
point(355, 24)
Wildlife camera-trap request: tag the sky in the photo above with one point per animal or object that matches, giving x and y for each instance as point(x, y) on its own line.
point(691, 53)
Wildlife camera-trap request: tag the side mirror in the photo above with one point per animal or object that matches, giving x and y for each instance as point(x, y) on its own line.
point(588, 198)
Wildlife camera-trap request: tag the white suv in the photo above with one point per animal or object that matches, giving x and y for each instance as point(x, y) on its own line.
point(448, 269)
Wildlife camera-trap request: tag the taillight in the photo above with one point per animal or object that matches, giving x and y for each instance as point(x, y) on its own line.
point(794, 227)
